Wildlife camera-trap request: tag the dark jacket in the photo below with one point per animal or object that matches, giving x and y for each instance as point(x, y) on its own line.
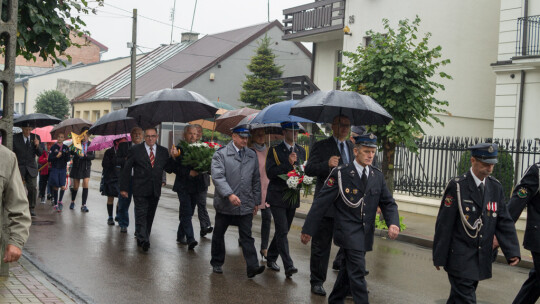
point(59, 162)
point(111, 169)
point(83, 161)
point(462, 255)
point(277, 185)
point(353, 227)
point(26, 157)
point(184, 182)
point(526, 193)
point(147, 180)
point(317, 164)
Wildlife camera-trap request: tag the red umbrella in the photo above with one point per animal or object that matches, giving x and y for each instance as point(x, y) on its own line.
point(44, 133)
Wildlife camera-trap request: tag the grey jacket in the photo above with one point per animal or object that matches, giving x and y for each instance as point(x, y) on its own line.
point(232, 175)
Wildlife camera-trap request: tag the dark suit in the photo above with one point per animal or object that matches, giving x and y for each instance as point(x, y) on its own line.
point(123, 202)
point(466, 255)
point(147, 182)
point(26, 157)
point(321, 244)
point(354, 226)
point(282, 210)
point(526, 195)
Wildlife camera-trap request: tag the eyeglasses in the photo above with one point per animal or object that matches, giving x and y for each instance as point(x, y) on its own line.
point(150, 136)
point(342, 125)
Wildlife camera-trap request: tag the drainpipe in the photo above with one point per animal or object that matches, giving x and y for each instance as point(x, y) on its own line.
point(521, 87)
point(25, 81)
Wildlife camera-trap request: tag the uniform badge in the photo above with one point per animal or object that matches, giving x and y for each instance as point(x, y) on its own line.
point(522, 192)
point(347, 190)
point(331, 182)
point(473, 208)
point(355, 191)
point(490, 149)
point(448, 201)
point(494, 214)
point(352, 172)
point(467, 209)
point(467, 217)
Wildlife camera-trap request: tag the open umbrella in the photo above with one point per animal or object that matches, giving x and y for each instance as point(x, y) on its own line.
point(170, 105)
point(269, 128)
point(323, 106)
point(231, 118)
point(69, 125)
point(44, 134)
point(116, 122)
point(35, 120)
point(106, 141)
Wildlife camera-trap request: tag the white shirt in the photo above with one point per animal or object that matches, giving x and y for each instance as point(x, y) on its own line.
point(148, 149)
point(477, 180)
point(345, 148)
point(360, 168)
point(287, 145)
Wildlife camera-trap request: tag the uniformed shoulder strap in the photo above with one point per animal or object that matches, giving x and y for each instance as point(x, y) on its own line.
point(307, 152)
point(477, 226)
point(494, 179)
point(276, 158)
point(376, 168)
point(342, 166)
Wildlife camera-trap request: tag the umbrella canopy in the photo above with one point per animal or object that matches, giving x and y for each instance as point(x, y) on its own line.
point(44, 133)
point(277, 113)
point(105, 142)
point(116, 122)
point(170, 105)
point(269, 128)
point(323, 106)
point(35, 120)
point(231, 118)
point(69, 125)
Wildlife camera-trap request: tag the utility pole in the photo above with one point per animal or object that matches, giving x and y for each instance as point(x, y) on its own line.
point(133, 56)
point(172, 19)
point(268, 11)
point(193, 18)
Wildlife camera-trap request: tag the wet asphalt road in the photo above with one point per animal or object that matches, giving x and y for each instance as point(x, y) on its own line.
point(104, 266)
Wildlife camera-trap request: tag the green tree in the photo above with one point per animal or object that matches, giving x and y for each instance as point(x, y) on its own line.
point(399, 71)
point(261, 88)
point(46, 27)
point(54, 103)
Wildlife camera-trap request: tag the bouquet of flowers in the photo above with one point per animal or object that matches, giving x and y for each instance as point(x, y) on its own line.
point(198, 155)
point(296, 181)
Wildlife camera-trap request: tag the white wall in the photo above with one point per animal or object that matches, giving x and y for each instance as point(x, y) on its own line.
point(326, 57)
point(467, 31)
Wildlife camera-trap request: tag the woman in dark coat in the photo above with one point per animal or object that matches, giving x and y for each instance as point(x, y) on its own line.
point(109, 179)
point(82, 163)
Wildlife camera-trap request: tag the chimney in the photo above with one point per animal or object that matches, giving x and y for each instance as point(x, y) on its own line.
point(189, 37)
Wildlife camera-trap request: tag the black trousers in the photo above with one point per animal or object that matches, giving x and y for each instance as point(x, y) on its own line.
point(43, 179)
point(145, 210)
point(266, 216)
point(244, 222)
point(351, 277)
point(31, 186)
point(463, 291)
point(530, 291)
point(279, 246)
point(321, 244)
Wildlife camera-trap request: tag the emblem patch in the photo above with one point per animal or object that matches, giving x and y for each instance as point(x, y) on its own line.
point(347, 190)
point(355, 191)
point(522, 192)
point(490, 149)
point(331, 182)
point(448, 201)
point(467, 209)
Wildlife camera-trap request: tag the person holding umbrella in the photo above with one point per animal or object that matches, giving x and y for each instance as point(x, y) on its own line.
point(282, 159)
point(110, 177)
point(58, 157)
point(26, 146)
point(82, 163)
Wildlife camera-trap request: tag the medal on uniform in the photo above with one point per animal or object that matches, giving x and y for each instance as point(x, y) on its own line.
point(355, 191)
point(467, 209)
point(494, 208)
point(488, 209)
point(494, 214)
point(347, 190)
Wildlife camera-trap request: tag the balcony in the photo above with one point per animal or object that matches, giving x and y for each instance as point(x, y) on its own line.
point(528, 37)
point(319, 18)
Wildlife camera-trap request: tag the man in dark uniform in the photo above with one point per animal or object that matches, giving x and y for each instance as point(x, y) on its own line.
point(280, 160)
point(324, 156)
point(26, 146)
point(472, 212)
point(526, 193)
point(355, 190)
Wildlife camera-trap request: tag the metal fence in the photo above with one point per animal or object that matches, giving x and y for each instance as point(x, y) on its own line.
point(427, 172)
point(528, 45)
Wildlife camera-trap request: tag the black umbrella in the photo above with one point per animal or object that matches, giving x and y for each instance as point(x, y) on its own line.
point(323, 106)
point(114, 123)
point(170, 105)
point(69, 125)
point(35, 120)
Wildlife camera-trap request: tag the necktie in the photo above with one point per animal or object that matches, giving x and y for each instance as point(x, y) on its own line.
point(364, 178)
point(481, 187)
point(343, 153)
point(241, 153)
point(28, 142)
point(152, 158)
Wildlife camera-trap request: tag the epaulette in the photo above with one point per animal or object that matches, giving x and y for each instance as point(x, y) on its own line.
point(342, 166)
point(222, 147)
point(538, 165)
point(458, 179)
point(376, 168)
point(494, 179)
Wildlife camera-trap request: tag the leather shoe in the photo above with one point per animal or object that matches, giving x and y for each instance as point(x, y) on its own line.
point(217, 269)
point(192, 244)
point(123, 229)
point(255, 271)
point(182, 241)
point(318, 290)
point(32, 212)
point(205, 231)
point(145, 246)
point(272, 265)
point(290, 271)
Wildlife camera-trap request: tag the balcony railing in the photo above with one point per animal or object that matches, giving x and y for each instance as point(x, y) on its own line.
point(530, 44)
point(314, 18)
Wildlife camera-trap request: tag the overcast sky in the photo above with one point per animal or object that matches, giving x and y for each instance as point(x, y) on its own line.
point(112, 25)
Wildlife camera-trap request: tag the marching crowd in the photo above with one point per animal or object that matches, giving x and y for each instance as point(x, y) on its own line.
point(474, 219)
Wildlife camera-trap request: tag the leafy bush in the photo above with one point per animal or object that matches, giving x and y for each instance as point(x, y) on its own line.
point(381, 224)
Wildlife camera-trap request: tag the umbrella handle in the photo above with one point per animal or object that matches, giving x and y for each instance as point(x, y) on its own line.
point(213, 128)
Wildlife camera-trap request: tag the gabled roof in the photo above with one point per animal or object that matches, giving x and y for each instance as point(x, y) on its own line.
point(177, 64)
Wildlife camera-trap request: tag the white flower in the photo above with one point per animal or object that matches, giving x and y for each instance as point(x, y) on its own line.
point(292, 182)
point(308, 180)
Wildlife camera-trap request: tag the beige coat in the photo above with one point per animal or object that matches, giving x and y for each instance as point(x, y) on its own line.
point(13, 201)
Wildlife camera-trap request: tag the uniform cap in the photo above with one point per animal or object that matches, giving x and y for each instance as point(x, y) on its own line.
point(290, 126)
point(243, 131)
point(368, 140)
point(485, 152)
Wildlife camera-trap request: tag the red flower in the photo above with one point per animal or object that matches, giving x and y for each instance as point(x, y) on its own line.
point(292, 173)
